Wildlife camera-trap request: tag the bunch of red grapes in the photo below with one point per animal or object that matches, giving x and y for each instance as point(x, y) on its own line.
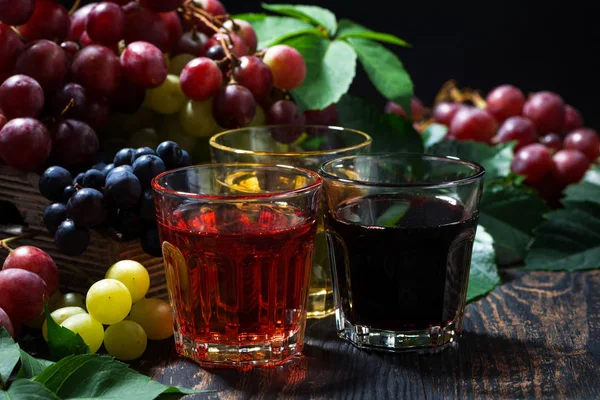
point(63, 75)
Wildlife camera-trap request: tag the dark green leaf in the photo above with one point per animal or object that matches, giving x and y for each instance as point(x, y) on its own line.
point(61, 341)
point(385, 71)
point(31, 366)
point(24, 389)
point(588, 190)
point(9, 356)
point(347, 29)
point(92, 376)
point(434, 134)
point(390, 133)
point(317, 15)
point(273, 30)
point(330, 70)
point(484, 271)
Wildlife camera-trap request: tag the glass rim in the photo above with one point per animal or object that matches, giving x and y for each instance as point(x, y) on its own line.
point(213, 141)
point(318, 181)
point(479, 171)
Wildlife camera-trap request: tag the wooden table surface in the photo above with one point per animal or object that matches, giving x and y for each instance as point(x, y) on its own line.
point(536, 336)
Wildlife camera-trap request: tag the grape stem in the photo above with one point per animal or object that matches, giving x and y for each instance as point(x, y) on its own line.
point(15, 30)
point(70, 104)
point(4, 243)
point(75, 7)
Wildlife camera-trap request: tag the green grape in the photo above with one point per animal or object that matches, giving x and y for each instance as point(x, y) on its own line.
point(90, 330)
point(59, 316)
point(108, 301)
point(125, 341)
point(196, 118)
point(67, 300)
point(168, 98)
point(133, 275)
point(259, 118)
point(171, 129)
point(155, 316)
point(144, 137)
point(179, 62)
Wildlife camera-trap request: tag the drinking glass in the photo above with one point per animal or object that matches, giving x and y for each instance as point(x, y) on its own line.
point(400, 230)
point(237, 264)
point(312, 146)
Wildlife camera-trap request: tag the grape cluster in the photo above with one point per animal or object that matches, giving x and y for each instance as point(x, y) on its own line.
point(116, 198)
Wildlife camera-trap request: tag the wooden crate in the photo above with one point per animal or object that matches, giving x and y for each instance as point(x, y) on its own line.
point(21, 189)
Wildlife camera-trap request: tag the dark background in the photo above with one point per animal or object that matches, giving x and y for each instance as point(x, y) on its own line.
point(551, 45)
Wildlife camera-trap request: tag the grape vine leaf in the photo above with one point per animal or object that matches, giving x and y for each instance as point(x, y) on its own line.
point(330, 69)
point(483, 276)
point(92, 376)
point(29, 390)
point(61, 341)
point(272, 30)
point(434, 134)
point(9, 356)
point(347, 29)
point(385, 71)
point(569, 239)
point(390, 132)
point(317, 15)
point(31, 366)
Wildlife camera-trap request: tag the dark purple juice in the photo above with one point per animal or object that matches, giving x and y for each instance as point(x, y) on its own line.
point(401, 263)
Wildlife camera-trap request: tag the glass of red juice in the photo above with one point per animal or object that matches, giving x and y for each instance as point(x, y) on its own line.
point(400, 231)
point(237, 262)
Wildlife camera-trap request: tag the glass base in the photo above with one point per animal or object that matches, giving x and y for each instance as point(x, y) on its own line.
point(215, 355)
point(431, 340)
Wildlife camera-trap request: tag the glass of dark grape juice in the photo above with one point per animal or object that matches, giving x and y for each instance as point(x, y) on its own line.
point(400, 231)
point(238, 262)
point(302, 146)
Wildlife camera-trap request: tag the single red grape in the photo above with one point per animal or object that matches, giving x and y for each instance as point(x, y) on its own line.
point(504, 102)
point(234, 44)
point(245, 31)
point(586, 141)
point(285, 114)
point(16, 12)
point(78, 20)
point(191, 42)
point(573, 119)
point(216, 53)
point(173, 27)
point(517, 128)
point(161, 5)
point(552, 141)
point(255, 75)
point(213, 7)
point(21, 96)
point(97, 69)
point(471, 123)
point(23, 294)
point(49, 21)
point(3, 121)
point(234, 107)
point(120, 2)
point(128, 98)
point(75, 143)
point(547, 112)
point(34, 260)
point(10, 47)
point(44, 61)
point(106, 23)
point(25, 143)
point(144, 65)
point(70, 48)
point(97, 113)
point(444, 112)
point(549, 190)
point(72, 95)
point(85, 40)
point(287, 65)
point(416, 108)
point(569, 166)
point(201, 79)
point(6, 323)
point(328, 116)
point(533, 161)
point(144, 25)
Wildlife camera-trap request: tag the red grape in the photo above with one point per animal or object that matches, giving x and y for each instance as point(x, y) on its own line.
point(254, 75)
point(549, 190)
point(16, 12)
point(128, 98)
point(569, 166)
point(85, 40)
point(78, 20)
point(444, 112)
point(173, 27)
point(533, 161)
point(61, 99)
point(328, 116)
point(21, 96)
point(285, 112)
point(49, 21)
point(245, 31)
point(416, 108)
point(213, 7)
point(287, 65)
point(75, 143)
point(106, 24)
point(6, 323)
point(10, 47)
point(144, 64)
point(25, 143)
point(552, 141)
point(144, 25)
point(234, 107)
point(34, 260)
point(97, 113)
point(504, 102)
point(573, 119)
point(191, 42)
point(547, 112)
point(97, 69)
point(70, 48)
point(23, 294)
point(44, 61)
point(161, 5)
point(233, 41)
point(517, 128)
point(201, 79)
point(216, 53)
point(120, 2)
point(3, 121)
point(471, 123)
point(586, 141)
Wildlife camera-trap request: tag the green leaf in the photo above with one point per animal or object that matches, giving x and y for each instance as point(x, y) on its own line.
point(273, 30)
point(31, 366)
point(484, 276)
point(390, 133)
point(393, 215)
point(385, 71)
point(434, 134)
point(347, 29)
point(24, 389)
point(9, 356)
point(588, 190)
point(61, 341)
point(317, 15)
point(330, 70)
point(92, 376)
